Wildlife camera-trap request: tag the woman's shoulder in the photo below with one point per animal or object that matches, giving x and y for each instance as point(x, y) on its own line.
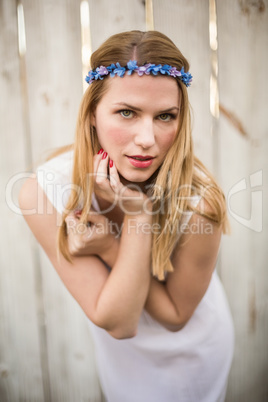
point(55, 178)
point(57, 167)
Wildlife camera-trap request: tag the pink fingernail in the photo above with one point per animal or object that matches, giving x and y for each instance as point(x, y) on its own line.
point(104, 155)
point(111, 163)
point(100, 151)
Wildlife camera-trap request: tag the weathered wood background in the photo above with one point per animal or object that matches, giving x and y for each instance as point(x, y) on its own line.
point(46, 352)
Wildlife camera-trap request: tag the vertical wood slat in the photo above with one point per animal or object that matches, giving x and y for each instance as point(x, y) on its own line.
point(54, 80)
point(243, 57)
point(107, 19)
point(20, 366)
point(53, 63)
point(186, 23)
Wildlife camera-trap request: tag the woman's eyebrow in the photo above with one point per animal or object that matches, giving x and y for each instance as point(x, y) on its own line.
point(139, 110)
point(126, 105)
point(170, 109)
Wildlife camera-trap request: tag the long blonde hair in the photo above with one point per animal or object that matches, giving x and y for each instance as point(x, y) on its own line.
point(181, 175)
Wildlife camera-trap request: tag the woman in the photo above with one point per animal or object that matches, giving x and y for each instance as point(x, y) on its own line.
point(140, 228)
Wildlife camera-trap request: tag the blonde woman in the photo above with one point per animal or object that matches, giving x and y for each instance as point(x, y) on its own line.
point(135, 226)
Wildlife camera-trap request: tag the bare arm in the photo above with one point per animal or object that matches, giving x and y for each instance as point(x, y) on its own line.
point(172, 303)
point(127, 287)
point(112, 301)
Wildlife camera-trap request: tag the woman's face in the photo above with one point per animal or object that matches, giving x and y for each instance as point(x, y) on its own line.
point(136, 123)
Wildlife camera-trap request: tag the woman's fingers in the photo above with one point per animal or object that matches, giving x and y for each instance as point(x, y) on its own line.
point(115, 182)
point(100, 166)
point(96, 224)
point(101, 173)
point(106, 176)
point(93, 218)
point(79, 233)
point(97, 159)
point(71, 221)
point(73, 226)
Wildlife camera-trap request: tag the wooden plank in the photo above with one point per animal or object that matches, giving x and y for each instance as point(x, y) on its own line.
point(243, 88)
point(54, 77)
point(54, 71)
point(186, 23)
point(72, 367)
point(20, 365)
point(107, 19)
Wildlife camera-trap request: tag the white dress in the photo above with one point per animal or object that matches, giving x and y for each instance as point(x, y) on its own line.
point(191, 365)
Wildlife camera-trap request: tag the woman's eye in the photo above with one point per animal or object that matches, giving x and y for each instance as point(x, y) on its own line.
point(165, 117)
point(127, 114)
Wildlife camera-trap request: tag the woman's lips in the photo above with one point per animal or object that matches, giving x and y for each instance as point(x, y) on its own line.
point(140, 161)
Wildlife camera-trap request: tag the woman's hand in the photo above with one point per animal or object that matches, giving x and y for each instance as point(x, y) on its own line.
point(130, 199)
point(96, 237)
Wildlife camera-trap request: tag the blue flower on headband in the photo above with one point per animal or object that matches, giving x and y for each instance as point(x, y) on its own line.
point(118, 70)
point(131, 66)
point(186, 78)
point(153, 69)
point(111, 68)
point(165, 69)
point(90, 77)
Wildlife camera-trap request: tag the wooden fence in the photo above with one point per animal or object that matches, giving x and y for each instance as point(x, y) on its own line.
point(46, 352)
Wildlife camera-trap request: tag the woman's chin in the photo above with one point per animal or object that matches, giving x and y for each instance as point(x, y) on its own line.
point(128, 179)
point(138, 178)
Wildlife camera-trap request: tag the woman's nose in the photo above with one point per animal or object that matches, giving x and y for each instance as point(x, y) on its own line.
point(144, 135)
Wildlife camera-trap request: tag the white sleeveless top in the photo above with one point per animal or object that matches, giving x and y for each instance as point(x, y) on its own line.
point(191, 365)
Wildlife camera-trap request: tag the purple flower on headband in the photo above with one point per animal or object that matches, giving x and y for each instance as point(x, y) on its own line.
point(102, 70)
point(143, 69)
point(174, 72)
point(99, 73)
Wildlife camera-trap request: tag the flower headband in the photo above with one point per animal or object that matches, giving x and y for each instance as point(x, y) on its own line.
point(132, 67)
